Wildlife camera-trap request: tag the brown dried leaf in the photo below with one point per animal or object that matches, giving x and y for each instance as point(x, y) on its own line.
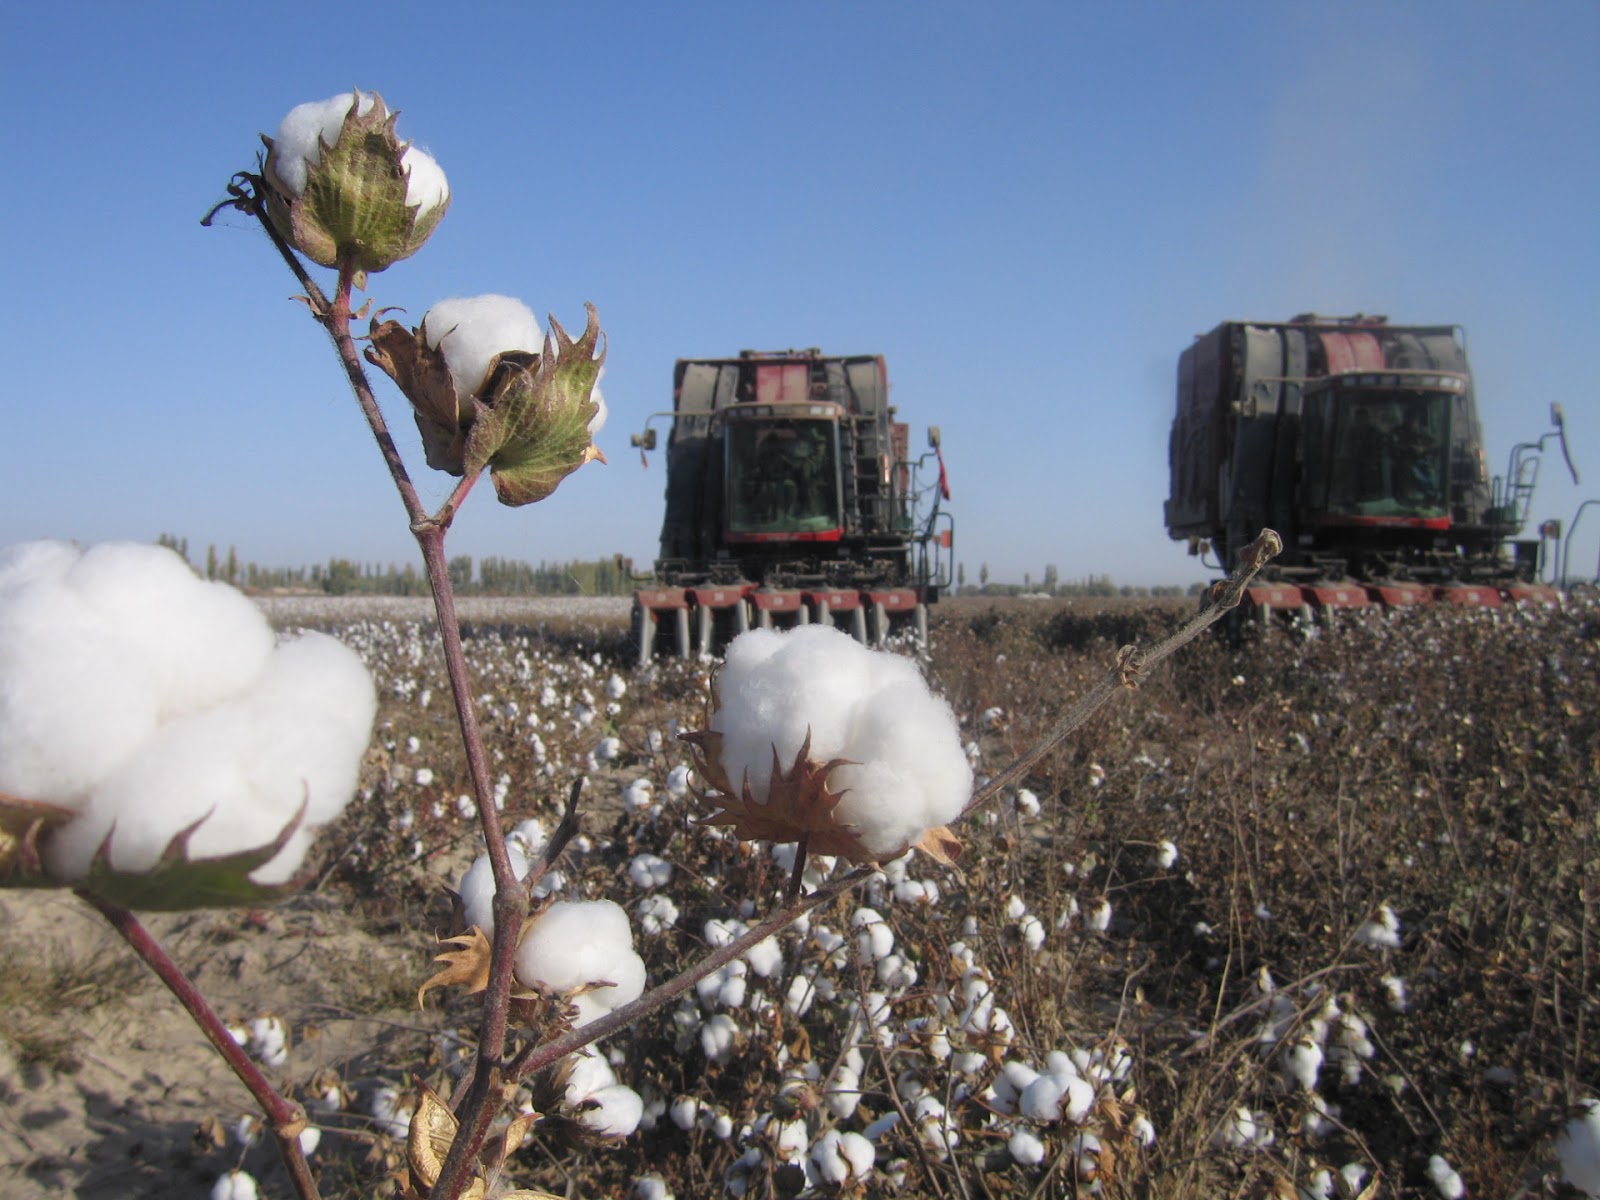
point(468, 966)
point(419, 370)
point(940, 845)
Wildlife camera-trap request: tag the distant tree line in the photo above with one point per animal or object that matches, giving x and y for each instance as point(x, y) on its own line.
point(1050, 584)
point(490, 576)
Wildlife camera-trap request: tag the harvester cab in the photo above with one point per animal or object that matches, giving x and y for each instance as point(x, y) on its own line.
point(791, 497)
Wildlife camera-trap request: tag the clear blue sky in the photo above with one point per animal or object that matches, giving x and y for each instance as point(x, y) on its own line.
point(1029, 209)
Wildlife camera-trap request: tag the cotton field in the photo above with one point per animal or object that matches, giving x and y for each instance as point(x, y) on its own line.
point(1309, 917)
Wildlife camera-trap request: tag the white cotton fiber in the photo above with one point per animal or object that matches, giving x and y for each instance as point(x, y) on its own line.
point(43, 561)
point(302, 133)
point(75, 702)
point(575, 943)
point(426, 186)
point(201, 641)
point(476, 888)
point(866, 706)
point(472, 330)
point(188, 772)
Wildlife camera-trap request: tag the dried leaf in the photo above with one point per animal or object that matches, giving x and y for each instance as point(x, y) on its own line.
point(940, 845)
point(420, 372)
point(468, 966)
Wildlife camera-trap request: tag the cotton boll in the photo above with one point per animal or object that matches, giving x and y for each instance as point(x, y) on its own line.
point(1382, 932)
point(572, 944)
point(1445, 1180)
point(657, 913)
point(765, 958)
point(718, 1037)
point(1032, 932)
point(842, 1157)
point(1166, 856)
point(1301, 1063)
point(1578, 1149)
point(612, 1111)
point(651, 1187)
point(201, 641)
point(1025, 1148)
point(1041, 1100)
point(183, 776)
point(473, 330)
point(868, 707)
point(649, 871)
point(235, 1185)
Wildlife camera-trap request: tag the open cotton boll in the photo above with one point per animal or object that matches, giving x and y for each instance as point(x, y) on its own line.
point(472, 330)
point(1445, 1180)
point(1578, 1149)
point(575, 943)
point(201, 640)
point(867, 707)
point(235, 1185)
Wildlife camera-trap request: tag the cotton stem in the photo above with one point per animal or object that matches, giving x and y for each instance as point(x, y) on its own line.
point(287, 1119)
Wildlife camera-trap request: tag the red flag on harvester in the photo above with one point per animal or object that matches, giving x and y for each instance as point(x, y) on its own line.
point(944, 479)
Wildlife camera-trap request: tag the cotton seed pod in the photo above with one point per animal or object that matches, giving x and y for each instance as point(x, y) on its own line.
point(530, 420)
point(357, 204)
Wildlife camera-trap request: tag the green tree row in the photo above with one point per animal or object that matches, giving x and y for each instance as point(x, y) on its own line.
point(493, 576)
point(1051, 585)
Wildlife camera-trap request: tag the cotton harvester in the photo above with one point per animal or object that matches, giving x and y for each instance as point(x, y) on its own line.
point(1359, 442)
point(791, 497)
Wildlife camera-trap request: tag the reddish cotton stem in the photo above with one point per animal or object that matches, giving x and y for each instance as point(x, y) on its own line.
point(286, 1118)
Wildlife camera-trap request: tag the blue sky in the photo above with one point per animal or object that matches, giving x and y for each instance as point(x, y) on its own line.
point(1029, 211)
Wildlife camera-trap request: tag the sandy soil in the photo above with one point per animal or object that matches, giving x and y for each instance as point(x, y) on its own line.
point(116, 1114)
